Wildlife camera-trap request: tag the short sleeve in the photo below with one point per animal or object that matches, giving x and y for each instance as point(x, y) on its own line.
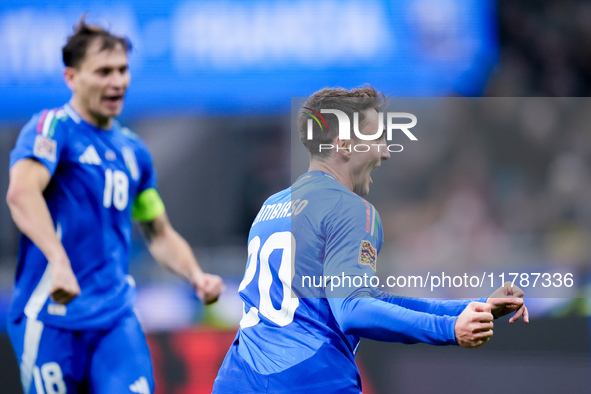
point(147, 174)
point(41, 139)
point(354, 238)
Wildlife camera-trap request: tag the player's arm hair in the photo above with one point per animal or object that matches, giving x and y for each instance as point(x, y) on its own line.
point(149, 211)
point(152, 228)
point(169, 248)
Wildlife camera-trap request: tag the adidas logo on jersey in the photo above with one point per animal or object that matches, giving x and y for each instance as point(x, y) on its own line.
point(140, 386)
point(90, 156)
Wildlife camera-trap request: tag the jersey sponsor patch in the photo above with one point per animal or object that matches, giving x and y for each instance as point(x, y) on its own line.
point(367, 254)
point(45, 148)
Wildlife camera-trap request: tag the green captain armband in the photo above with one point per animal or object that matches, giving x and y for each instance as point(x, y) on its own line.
point(148, 206)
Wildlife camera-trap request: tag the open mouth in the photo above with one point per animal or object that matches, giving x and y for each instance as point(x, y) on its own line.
point(113, 100)
point(373, 169)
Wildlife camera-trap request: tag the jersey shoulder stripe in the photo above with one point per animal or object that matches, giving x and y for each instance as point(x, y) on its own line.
point(368, 220)
point(46, 125)
point(49, 120)
point(41, 121)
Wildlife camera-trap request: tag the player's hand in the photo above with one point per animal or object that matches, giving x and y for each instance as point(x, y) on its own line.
point(507, 299)
point(208, 287)
point(474, 325)
point(64, 285)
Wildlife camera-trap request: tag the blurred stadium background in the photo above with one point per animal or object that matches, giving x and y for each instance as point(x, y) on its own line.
point(509, 190)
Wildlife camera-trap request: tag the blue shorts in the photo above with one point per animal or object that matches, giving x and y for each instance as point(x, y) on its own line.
point(236, 376)
point(55, 360)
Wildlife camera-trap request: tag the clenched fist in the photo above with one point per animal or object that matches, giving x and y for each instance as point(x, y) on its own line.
point(474, 325)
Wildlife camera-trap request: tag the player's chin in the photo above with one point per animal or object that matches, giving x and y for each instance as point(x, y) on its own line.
point(112, 110)
point(362, 190)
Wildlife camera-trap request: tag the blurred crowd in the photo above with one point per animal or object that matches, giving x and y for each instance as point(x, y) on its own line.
point(507, 185)
point(497, 184)
point(545, 49)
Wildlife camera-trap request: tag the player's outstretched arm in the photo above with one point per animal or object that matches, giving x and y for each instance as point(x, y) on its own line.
point(375, 319)
point(174, 253)
point(436, 307)
point(28, 179)
point(507, 299)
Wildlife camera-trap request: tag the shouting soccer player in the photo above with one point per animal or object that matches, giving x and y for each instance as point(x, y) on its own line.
point(76, 179)
point(297, 339)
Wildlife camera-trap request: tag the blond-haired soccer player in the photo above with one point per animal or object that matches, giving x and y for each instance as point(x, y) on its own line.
point(300, 332)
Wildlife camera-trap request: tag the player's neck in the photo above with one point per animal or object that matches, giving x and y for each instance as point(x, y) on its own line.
point(334, 170)
point(100, 122)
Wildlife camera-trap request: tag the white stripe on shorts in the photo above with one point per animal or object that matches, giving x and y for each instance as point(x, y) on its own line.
point(33, 327)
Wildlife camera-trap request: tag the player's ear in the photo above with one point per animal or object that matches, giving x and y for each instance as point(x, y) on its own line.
point(344, 148)
point(70, 77)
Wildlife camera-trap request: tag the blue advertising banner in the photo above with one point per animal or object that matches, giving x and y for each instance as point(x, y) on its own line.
point(252, 56)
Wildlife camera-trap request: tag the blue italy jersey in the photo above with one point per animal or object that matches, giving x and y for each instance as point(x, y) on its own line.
point(308, 298)
point(96, 175)
point(331, 232)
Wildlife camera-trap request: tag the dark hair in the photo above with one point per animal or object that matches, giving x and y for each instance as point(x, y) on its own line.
point(349, 101)
point(74, 51)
